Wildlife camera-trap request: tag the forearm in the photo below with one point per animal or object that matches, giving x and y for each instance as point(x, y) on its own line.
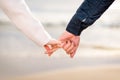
point(87, 14)
point(21, 16)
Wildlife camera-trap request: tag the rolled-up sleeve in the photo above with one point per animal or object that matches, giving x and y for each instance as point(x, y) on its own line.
point(19, 13)
point(87, 14)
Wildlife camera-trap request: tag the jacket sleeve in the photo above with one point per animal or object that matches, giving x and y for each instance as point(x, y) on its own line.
point(87, 14)
point(19, 13)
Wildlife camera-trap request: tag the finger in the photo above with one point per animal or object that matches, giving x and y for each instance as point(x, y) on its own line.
point(63, 44)
point(52, 46)
point(69, 50)
point(47, 48)
point(67, 45)
point(73, 52)
point(51, 51)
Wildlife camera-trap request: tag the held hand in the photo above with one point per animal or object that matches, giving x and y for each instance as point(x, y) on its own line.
point(70, 43)
point(52, 46)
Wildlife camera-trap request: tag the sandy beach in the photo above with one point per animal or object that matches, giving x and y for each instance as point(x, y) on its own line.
point(107, 72)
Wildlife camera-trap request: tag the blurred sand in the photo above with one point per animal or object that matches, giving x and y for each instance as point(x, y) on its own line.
point(82, 73)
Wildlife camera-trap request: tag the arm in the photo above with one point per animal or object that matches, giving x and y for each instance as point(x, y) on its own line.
point(19, 13)
point(87, 14)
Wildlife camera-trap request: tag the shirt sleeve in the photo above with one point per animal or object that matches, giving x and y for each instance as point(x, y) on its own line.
point(19, 13)
point(87, 14)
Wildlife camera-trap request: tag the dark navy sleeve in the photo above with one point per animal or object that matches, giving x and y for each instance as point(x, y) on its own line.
point(87, 14)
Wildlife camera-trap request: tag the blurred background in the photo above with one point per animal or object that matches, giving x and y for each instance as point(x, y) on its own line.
point(97, 58)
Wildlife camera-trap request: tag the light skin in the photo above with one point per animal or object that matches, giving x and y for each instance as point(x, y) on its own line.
point(52, 46)
point(69, 43)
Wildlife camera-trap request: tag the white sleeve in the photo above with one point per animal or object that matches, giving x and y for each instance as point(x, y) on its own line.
point(21, 16)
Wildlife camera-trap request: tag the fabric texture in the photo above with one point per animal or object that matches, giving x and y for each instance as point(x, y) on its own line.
point(19, 13)
point(87, 14)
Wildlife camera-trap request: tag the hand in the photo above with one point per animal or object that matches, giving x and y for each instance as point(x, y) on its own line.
point(70, 43)
point(52, 46)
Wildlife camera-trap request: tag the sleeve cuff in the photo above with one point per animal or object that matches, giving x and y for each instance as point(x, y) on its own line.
point(76, 26)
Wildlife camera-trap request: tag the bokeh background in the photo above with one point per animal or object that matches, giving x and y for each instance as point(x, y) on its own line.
point(97, 58)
